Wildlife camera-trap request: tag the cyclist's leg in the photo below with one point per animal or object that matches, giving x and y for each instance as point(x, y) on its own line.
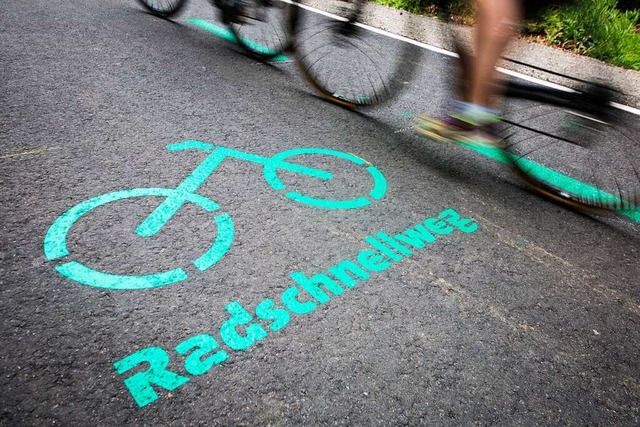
point(497, 21)
point(473, 118)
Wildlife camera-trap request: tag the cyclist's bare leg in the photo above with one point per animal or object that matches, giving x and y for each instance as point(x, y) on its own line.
point(497, 21)
point(474, 118)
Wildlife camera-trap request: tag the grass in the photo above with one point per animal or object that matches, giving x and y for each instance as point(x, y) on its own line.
point(461, 10)
point(413, 6)
point(595, 28)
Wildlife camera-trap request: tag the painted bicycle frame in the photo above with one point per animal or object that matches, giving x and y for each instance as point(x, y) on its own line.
point(55, 242)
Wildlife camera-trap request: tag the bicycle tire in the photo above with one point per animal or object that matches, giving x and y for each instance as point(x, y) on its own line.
point(163, 8)
point(263, 31)
point(347, 64)
point(375, 178)
point(55, 243)
point(586, 156)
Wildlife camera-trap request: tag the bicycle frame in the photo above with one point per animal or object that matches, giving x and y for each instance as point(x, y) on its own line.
point(173, 203)
point(55, 242)
point(594, 102)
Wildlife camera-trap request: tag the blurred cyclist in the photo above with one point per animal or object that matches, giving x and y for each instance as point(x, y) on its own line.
point(473, 118)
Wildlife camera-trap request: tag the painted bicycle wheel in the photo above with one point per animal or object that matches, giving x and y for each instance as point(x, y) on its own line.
point(163, 8)
point(260, 26)
point(55, 243)
point(585, 156)
point(348, 64)
point(344, 187)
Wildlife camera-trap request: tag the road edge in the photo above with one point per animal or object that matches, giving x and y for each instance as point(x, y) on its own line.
point(431, 31)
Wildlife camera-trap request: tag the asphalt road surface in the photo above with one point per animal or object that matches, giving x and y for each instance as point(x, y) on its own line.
point(446, 294)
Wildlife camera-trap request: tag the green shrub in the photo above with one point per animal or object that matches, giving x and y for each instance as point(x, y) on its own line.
point(414, 6)
point(597, 29)
point(461, 8)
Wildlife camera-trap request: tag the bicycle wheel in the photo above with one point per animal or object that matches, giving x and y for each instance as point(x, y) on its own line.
point(586, 157)
point(163, 8)
point(55, 243)
point(343, 189)
point(346, 63)
point(262, 31)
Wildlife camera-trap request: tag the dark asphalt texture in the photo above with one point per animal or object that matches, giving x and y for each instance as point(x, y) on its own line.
point(530, 320)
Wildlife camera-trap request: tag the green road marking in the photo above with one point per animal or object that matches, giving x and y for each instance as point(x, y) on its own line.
point(87, 276)
point(146, 371)
point(55, 241)
point(226, 34)
point(554, 178)
point(222, 244)
point(30, 152)
point(190, 145)
point(380, 183)
point(360, 202)
point(278, 160)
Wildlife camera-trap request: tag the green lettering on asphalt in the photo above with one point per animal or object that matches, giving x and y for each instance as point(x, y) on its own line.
point(373, 261)
point(290, 300)
point(140, 384)
point(240, 331)
point(229, 36)
point(345, 270)
point(416, 237)
point(198, 347)
point(266, 311)
point(313, 286)
point(239, 318)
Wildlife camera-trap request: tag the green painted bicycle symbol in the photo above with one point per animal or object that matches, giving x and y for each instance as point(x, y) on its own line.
point(55, 241)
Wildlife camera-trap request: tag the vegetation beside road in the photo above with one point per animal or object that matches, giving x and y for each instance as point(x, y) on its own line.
point(603, 29)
